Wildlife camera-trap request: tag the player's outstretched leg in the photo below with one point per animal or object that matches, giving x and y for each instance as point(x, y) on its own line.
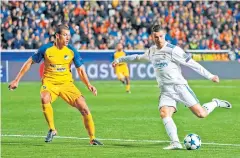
point(222, 103)
point(204, 110)
point(171, 129)
point(81, 105)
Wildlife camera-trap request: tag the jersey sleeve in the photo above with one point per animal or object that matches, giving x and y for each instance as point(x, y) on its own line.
point(185, 59)
point(39, 54)
point(77, 59)
point(146, 55)
point(135, 58)
point(180, 56)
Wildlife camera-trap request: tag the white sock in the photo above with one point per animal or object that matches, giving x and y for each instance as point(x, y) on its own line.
point(171, 129)
point(209, 107)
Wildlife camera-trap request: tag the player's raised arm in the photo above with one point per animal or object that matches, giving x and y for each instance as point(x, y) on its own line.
point(185, 59)
point(26, 66)
point(132, 58)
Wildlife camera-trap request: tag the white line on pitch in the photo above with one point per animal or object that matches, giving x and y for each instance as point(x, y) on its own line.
point(110, 139)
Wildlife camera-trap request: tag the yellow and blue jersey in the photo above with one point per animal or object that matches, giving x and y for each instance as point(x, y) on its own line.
point(57, 63)
point(119, 54)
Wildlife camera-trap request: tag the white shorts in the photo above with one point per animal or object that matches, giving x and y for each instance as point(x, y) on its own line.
point(171, 94)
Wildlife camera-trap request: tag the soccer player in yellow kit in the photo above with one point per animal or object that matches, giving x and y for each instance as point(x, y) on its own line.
point(121, 69)
point(57, 80)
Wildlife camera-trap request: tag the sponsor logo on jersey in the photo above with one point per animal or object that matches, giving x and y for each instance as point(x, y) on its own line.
point(66, 57)
point(160, 64)
point(52, 65)
point(61, 69)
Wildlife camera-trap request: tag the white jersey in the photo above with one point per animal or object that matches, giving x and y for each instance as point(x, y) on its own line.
point(166, 62)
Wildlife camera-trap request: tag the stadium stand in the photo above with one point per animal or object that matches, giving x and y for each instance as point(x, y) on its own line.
point(102, 24)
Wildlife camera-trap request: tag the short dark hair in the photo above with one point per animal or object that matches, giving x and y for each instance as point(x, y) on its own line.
point(157, 28)
point(61, 27)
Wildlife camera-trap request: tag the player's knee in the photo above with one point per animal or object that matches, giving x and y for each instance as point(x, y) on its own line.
point(163, 113)
point(81, 105)
point(201, 114)
point(45, 98)
point(166, 111)
point(84, 111)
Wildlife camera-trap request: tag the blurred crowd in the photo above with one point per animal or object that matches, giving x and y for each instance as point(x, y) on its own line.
point(103, 24)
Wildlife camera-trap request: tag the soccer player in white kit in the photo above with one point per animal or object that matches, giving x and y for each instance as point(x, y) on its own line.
point(166, 59)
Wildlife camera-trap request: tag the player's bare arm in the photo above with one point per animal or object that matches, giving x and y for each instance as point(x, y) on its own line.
point(83, 76)
point(26, 66)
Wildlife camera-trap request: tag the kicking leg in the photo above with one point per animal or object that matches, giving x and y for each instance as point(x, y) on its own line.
point(81, 105)
point(207, 108)
point(187, 96)
point(222, 103)
point(166, 113)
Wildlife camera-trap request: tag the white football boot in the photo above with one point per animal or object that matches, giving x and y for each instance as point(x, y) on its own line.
point(173, 146)
point(222, 103)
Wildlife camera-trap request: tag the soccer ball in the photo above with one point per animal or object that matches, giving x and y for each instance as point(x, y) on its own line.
point(192, 142)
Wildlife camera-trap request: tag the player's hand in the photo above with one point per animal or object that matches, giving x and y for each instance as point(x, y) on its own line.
point(215, 79)
point(114, 63)
point(92, 89)
point(13, 85)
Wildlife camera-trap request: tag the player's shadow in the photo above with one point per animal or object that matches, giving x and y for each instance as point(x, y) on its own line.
point(147, 145)
point(142, 145)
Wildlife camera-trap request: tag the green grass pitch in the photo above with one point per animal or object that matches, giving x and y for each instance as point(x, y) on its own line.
point(128, 124)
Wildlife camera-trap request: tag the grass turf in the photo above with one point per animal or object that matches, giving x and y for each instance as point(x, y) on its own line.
point(123, 121)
